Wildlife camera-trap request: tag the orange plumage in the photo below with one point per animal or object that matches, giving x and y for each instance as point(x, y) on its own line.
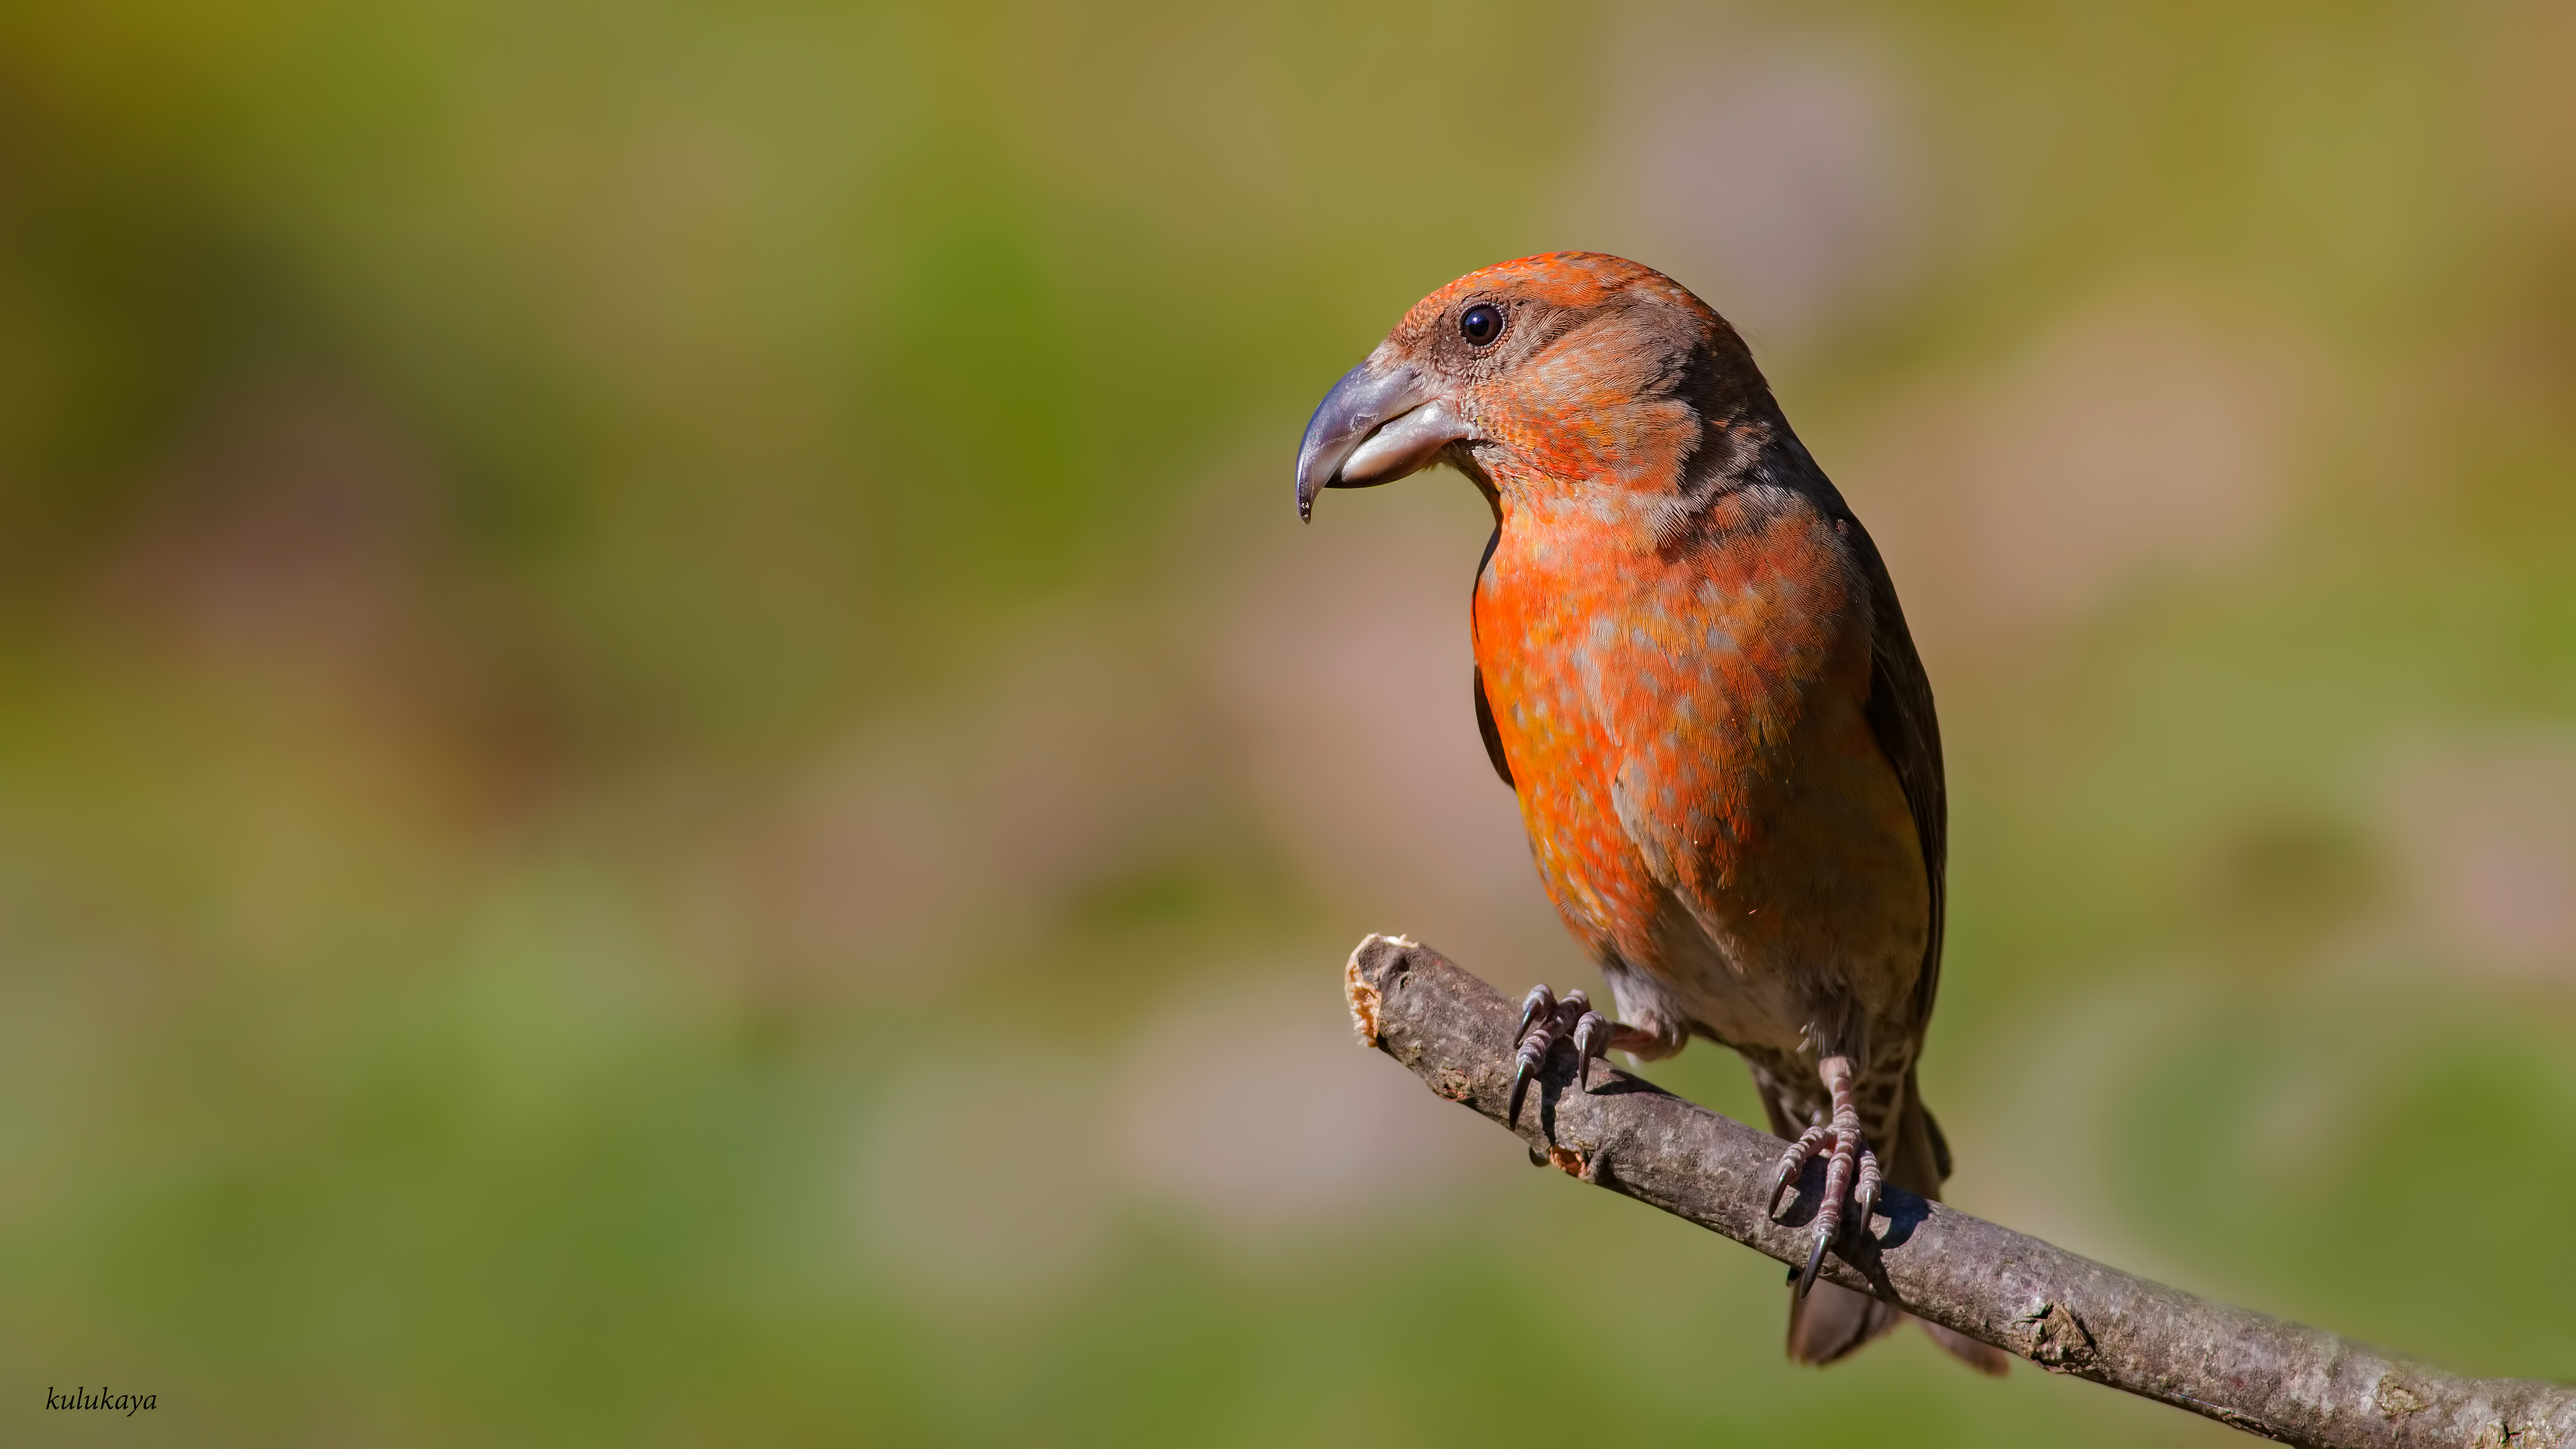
point(1692, 668)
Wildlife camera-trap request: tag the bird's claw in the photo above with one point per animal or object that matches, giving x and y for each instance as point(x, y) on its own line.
point(1591, 1039)
point(1538, 1005)
point(1851, 1174)
point(1546, 1020)
point(1815, 1258)
point(1793, 1160)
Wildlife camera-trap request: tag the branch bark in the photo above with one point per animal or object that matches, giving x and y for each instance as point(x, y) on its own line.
point(2070, 1315)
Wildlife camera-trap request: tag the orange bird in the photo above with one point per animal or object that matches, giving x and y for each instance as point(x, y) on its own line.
point(1692, 669)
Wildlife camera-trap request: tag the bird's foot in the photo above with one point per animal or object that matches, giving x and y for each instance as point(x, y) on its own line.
point(1547, 1020)
point(1851, 1169)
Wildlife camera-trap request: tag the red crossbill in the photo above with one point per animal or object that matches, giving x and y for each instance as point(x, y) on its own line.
point(1692, 669)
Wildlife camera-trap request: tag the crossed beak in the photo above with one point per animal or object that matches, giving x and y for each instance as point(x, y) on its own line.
point(1382, 421)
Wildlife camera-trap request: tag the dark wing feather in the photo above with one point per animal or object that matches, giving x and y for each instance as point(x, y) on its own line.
point(1493, 736)
point(1901, 716)
point(1485, 707)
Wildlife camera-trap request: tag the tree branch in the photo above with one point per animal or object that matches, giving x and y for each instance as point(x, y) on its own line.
point(2068, 1314)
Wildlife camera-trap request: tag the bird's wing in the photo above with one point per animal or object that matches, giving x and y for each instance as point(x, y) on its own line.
point(1901, 717)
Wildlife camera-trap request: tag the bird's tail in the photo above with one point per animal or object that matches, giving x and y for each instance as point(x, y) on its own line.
point(1832, 1320)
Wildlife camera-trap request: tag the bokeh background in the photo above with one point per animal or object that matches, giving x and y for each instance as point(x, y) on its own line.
point(672, 772)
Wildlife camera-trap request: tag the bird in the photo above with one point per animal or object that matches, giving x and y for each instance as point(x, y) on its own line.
point(1692, 669)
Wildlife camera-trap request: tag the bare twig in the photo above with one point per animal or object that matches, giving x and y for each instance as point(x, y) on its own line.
point(2068, 1314)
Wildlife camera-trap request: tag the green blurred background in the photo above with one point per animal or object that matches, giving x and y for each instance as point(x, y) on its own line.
point(671, 770)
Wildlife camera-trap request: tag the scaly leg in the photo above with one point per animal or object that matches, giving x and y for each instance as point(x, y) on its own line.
point(1850, 1167)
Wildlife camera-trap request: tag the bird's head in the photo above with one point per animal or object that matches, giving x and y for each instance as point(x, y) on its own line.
point(1568, 371)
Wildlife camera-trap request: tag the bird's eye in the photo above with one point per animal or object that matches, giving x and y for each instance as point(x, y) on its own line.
point(1480, 324)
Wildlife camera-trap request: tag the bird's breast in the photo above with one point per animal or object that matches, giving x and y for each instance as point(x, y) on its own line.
point(1682, 710)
